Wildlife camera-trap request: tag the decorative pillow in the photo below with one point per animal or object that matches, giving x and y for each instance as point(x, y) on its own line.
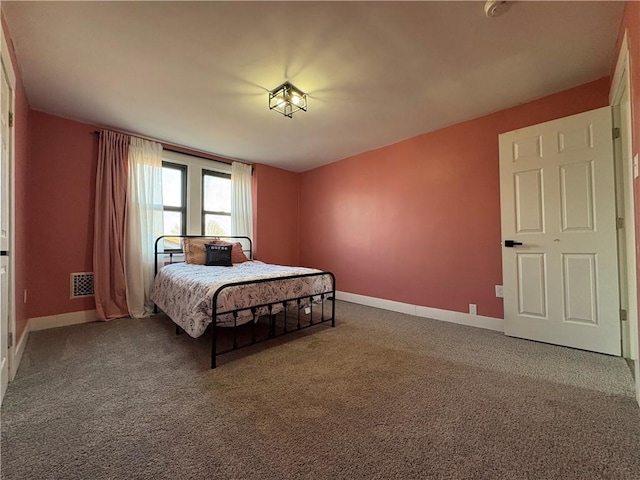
point(218, 255)
point(237, 255)
point(194, 251)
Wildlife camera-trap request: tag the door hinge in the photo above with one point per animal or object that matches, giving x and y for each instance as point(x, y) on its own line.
point(10, 340)
point(623, 315)
point(620, 222)
point(616, 132)
point(10, 119)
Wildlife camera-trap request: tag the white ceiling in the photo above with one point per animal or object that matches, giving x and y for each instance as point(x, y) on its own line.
point(197, 73)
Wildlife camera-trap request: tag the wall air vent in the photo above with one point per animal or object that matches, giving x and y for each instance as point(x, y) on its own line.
point(81, 284)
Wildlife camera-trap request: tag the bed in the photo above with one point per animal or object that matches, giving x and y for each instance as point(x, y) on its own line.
point(198, 297)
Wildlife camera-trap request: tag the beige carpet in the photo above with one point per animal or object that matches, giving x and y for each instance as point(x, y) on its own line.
point(381, 396)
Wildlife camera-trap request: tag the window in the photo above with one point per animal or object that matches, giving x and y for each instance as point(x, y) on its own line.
point(174, 197)
point(196, 192)
point(216, 203)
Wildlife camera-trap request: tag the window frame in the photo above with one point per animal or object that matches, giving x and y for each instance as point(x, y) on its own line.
point(183, 208)
point(203, 212)
point(195, 164)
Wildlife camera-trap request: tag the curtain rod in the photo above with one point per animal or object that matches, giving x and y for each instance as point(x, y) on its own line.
point(176, 148)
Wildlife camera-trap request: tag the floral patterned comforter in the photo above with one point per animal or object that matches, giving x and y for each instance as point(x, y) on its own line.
point(185, 292)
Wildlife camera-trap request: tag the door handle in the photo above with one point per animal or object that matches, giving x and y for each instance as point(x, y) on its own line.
point(511, 243)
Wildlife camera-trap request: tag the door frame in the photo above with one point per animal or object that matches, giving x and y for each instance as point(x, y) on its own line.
point(8, 65)
point(622, 81)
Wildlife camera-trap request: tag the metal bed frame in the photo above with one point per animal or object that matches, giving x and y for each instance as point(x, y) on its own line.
point(295, 302)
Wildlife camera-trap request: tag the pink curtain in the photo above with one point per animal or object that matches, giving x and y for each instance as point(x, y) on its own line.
point(110, 214)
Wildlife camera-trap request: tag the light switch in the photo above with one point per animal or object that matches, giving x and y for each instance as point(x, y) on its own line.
point(635, 166)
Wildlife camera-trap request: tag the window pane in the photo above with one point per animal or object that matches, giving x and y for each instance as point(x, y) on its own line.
point(217, 224)
point(172, 223)
point(172, 226)
point(217, 193)
point(172, 187)
point(171, 243)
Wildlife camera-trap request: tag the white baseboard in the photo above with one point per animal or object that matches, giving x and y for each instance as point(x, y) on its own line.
point(18, 352)
point(489, 323)
point(62, 320)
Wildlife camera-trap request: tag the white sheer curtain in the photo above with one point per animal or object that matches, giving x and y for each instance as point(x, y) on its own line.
point(144, 223)
point(241, 210)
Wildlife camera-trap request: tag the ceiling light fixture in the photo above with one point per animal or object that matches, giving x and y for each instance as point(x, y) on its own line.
point(287, 99)
point(495, 8)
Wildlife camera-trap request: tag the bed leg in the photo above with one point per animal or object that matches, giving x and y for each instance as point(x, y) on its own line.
point(272, 322)
point(284, 307)
point(333, 310)
point(333, 299)
point(213, 346)
point(253, 326)
point(235, 329)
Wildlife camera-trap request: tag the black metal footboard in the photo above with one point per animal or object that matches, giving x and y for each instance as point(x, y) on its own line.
point(281, 307)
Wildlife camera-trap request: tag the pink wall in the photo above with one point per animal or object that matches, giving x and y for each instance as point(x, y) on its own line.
point(61, 203)
point(419, 221)
point(21, 116)
point(275, 206)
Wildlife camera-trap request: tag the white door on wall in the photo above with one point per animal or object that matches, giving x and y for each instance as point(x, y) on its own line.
point(558, 205)
point(5, 102)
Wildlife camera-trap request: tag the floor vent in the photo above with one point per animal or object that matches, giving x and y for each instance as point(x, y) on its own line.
point(81, 284)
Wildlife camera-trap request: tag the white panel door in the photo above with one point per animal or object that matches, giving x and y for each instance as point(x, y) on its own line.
point(5, 96)
point(558, 201)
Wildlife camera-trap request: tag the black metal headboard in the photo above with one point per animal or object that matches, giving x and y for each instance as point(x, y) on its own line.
point(160, 250)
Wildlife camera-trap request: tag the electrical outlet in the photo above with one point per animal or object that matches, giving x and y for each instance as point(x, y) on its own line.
point(499, 291)
point(307, 310)
point(635, 166)
point(473, 309)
